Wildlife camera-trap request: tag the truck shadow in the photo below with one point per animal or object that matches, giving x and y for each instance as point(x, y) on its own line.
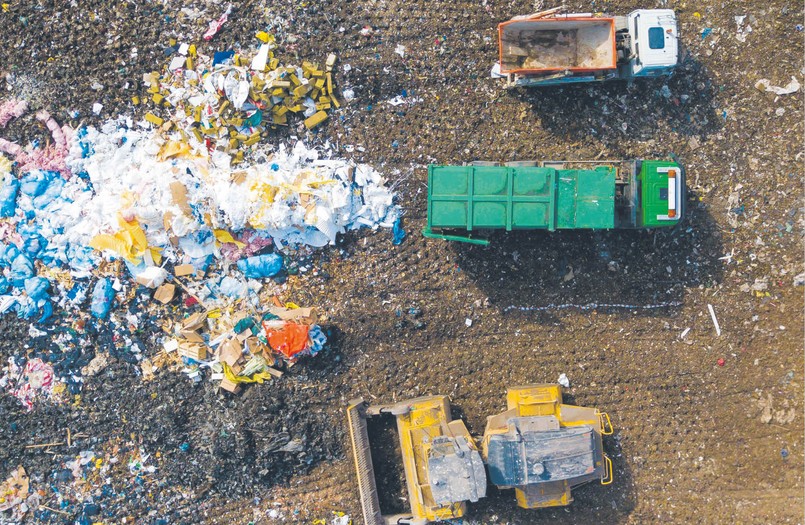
point(638, 271)
point(611, 111)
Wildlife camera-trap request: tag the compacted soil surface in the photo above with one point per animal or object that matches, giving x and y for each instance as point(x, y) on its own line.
point(708, 427)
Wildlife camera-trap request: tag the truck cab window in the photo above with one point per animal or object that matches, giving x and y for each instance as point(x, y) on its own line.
point(656, 38)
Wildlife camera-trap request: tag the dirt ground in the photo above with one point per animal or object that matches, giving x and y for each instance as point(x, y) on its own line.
point(695, 441)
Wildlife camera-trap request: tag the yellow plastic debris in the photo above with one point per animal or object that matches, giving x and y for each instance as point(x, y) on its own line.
point(130, 242)
point(316, 119)
point(259, 377)
point(224, 236)
point(153, 119)
point(301, 91)
point(173, 148)
point(266, 38)
point(5, 165)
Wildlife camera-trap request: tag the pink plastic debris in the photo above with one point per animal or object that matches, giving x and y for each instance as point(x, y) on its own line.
point(11, 109)
point(36, 381)
point(12, 148)
point(216, 25)
point(254, 242)
point(53, 127)
point(50, 158)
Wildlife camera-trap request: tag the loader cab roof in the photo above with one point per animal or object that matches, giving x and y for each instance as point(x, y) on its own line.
point(523, 457)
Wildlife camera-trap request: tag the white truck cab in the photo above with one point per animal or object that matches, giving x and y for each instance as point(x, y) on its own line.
point(654, 42)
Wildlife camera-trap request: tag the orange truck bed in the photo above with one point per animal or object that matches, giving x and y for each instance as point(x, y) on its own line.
point(545, 45)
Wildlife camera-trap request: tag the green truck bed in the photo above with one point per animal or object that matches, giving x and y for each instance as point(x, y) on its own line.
point(511, 198)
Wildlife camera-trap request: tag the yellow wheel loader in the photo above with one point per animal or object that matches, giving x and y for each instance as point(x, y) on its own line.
point(443, 468)
point(544, 448)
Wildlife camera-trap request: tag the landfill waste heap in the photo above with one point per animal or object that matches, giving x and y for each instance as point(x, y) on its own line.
point(191, 207)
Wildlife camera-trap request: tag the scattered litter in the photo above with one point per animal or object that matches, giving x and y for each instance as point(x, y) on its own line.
point(216, 25)
point(721, 361)
point(241, 347)
point(713, 317)
point(684, 333)
point(14, 493)
point(563, 380)
point(400, 50)
point(592, 306)
point(765, 85)
point(31, 382)
point(743, 31)
point(467, 322)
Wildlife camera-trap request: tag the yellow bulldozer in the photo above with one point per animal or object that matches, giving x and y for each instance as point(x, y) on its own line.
point(539, 446)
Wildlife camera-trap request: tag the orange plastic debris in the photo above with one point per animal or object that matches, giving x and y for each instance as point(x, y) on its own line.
point(288, 340)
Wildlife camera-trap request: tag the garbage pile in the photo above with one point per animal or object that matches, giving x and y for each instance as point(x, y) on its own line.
point(227, 100)
point(111, 224)
point(150, 199)
point(237, 347)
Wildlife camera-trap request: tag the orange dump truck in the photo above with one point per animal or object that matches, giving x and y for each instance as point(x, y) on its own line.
point(553, 49)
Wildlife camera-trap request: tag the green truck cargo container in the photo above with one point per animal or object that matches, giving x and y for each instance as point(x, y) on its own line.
point(552, 196)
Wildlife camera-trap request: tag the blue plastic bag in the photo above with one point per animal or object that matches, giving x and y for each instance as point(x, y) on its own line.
point(259, 266)
point(8, 197)
point(21, 269)
point(102, 296)
point(398, 233)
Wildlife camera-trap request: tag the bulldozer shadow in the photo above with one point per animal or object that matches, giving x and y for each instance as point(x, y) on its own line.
point(610, 111)
point(635, 272)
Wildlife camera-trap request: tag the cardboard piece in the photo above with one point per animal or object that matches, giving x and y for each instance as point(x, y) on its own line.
point(164, 294)
point(230, 386)
point(195, 321)
point(179, 194)
point(301, 315)
point(230, 352)
point(184, 269)
point(192, 336)
point(193, 351)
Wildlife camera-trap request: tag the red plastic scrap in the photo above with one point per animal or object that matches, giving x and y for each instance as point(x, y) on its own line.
point(216, 25)
point(289, 340)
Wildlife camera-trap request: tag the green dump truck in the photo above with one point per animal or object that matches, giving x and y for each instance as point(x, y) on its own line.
point(552, 195)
